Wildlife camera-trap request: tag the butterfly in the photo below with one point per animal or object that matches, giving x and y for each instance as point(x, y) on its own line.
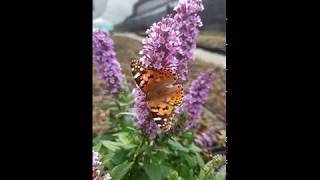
point(163, 94)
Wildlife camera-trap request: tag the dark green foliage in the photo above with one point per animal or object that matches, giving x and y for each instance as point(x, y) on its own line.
point(127, 154)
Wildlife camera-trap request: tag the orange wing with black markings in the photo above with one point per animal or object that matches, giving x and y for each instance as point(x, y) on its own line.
point(163, 95)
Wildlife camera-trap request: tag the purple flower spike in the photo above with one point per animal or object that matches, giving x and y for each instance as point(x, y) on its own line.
point(96, 175)
point(196, 97)
point(204, 139)
point(162, 45)
point(188, 23)
point(210, 136)
point(143, 120)
point(95, 159)
point(189, 7)
point(108, 67)
point(95, 165)
point(170, 42)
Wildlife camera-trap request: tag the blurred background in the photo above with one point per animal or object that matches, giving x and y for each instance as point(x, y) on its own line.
point(137, 16)
point(127, 21)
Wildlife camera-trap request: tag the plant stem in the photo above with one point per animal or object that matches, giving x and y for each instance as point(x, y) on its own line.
point(138, 149)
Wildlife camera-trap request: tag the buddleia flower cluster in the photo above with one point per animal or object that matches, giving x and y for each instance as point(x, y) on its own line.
point(169, 44)
point(196, 97)
point(143, 119)
point(210, 137)
point(108, 67)
point(95, 166)
point(96, 175)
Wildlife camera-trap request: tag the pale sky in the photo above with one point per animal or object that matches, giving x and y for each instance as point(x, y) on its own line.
point(115, 11)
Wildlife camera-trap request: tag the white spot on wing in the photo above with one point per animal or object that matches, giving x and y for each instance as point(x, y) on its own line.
point(136, 75)
point(157, 119)
point(141, 83)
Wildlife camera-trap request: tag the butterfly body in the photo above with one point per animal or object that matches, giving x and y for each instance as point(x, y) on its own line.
point(162, 93)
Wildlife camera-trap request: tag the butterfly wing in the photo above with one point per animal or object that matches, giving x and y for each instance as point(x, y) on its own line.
point(148, 78)
point(162, 102)
point(162, 114)
point(163, 96)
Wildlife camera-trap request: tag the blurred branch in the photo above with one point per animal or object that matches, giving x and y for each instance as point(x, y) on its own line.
point(217, 149)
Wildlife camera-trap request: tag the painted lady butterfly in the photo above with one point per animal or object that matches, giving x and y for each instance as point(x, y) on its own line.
point(162, 93)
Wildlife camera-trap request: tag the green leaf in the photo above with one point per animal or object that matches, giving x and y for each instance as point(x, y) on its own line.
point(138, 174)
point(159, 156)
point(205, 175)
point(189, 136)
point(107, 160)
point(128, 146)
point(105, 136)
point(200, 160)
point(97, 147)
point(219, 177)
point(121, 170)
point(192, 160)
point(221, 174)
point(209, 170)
point(131, 129)
point(112, 146)
point(123, 137)
point(125, 113)
point(174, 176)
point(104, 106)
point(119, 156)
point(195, 149)
point(165, 150)
point(122, 104)
point(185, 171)
point(156, 172)
point(177, 146)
